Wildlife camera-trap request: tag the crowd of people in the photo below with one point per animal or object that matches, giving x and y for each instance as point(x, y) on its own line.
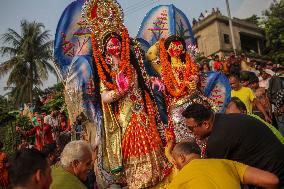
point(233, 136)
point(129, 145)
point(245, 144)
point(47, 128)
point(30, 166)
point(259, 85)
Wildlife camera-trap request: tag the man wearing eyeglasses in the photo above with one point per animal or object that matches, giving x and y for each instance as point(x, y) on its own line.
point(237, 137)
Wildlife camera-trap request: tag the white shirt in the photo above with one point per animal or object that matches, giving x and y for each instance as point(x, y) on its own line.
point(264, 83)
point(53, 122)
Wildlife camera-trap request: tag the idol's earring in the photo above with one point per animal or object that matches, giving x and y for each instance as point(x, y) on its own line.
point(108, 59)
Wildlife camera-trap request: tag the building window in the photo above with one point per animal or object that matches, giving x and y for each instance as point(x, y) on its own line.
point(249, 43)
point(226, 38)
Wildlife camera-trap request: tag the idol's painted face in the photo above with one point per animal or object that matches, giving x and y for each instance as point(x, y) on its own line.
point(175, 49)
point(114, 46)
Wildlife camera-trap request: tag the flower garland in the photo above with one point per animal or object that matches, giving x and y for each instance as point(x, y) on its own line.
point(125, 55)
point(152, 118)
point(124, 65)
point(175, 88)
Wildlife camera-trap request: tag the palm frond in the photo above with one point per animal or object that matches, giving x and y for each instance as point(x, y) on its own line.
point(43, 37)
point(40, 71)
point(8, 65)
point(50, 67)
point(9, 38)
point(18, 75)
point(17, 36)
point(47, 45)
point(10, 51)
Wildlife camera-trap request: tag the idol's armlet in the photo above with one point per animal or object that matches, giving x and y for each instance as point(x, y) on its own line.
point(110, 96)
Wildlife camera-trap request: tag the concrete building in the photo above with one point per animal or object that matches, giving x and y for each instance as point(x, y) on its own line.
point(213, 35)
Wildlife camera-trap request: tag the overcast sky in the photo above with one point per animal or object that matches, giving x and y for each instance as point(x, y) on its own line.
point(48, 12)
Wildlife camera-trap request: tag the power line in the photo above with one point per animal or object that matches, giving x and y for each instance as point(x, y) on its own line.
point(145, 4)
point(135, 5)
point(140, 7)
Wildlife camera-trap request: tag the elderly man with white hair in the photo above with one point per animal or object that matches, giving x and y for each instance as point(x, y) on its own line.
point(76, 162)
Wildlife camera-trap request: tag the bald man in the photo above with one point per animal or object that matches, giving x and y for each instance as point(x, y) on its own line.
point(214, 173)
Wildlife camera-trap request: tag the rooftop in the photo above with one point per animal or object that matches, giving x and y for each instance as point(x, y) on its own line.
point(217, 16)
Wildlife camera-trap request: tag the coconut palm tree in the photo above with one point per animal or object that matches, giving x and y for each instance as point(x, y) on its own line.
point(29, 54)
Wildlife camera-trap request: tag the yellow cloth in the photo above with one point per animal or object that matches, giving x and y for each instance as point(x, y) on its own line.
point(246, 95)
point(246, 67)
point(209, 173)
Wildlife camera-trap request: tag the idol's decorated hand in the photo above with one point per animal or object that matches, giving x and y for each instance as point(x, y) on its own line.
point(122, 82)
point(170, 145)
point(170, 135)
point(194, 78)
point(192, 84)
point(156, 82)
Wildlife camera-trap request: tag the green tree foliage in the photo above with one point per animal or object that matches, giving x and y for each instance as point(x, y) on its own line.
point(24, 122)
point(8, 137)
point(254, 19)
point(3, 104)
point(29, 54)
point(274, 29)
point(57, 98)
point(57, 101)
point(8, 134)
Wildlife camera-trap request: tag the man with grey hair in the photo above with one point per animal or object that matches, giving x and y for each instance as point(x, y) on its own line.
point(76, 162)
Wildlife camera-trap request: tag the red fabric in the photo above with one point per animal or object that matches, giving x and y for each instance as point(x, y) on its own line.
point(37, 131)
point(217, 66)
point(94, 12)
point(141, 137)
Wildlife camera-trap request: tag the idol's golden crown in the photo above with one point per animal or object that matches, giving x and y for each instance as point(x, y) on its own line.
point(103, 17)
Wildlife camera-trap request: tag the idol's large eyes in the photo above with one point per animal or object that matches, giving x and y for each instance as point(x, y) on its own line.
point(113, 46)
point(176, 45)
point(113, 42)
point(180, 47)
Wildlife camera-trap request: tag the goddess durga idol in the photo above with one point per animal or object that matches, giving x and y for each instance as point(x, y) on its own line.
point(178, 75)
point(132, 150)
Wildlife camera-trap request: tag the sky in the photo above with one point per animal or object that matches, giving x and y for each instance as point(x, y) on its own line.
point(48, 12)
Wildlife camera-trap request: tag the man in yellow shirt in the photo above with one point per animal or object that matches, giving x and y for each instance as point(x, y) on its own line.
point(247, 96)
point(214, 173)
